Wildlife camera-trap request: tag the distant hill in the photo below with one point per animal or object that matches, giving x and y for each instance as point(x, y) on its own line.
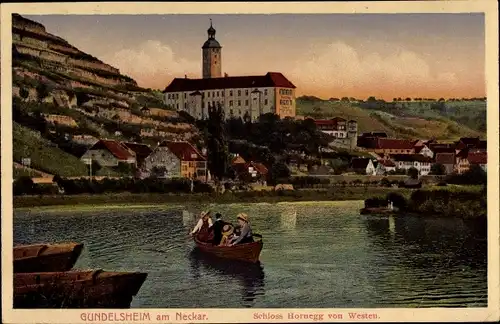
point(53, 77)
point(422, 119)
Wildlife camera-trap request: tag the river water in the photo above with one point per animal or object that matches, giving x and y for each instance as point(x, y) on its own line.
point(315, 255)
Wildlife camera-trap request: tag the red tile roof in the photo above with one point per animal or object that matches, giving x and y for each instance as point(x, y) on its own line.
point(141, 151)
point(261, 168)
point(271, 79)
point(339, 119)
point(410, 158)
point(445, 158)
point(238, 160)
point(183, 150)
point(478, 158)
point(393, 143)
point(116, 148)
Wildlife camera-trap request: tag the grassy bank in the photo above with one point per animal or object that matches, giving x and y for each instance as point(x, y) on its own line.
point(334, 194)
point(467, 202)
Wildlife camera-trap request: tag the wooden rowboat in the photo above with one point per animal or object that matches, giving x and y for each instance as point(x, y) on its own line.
point(76, 289)
point(248, 252)
point(46, 257)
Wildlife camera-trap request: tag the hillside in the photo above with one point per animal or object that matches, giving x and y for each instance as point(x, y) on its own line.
point(74, 93)
point(447, 121)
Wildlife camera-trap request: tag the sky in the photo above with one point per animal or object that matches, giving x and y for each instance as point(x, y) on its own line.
point(325, 55)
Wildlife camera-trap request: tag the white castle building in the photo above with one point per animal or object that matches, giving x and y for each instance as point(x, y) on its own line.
point(240, 96)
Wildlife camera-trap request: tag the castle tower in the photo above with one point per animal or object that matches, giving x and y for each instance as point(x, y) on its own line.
point(352, 133)
point(212, 58)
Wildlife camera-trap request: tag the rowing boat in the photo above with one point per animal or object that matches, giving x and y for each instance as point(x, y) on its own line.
point(76, 289)
point(248, 252)
point(46, 257)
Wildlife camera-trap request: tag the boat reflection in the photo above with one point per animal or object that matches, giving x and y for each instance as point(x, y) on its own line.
point(188, 218)
point(250, 275)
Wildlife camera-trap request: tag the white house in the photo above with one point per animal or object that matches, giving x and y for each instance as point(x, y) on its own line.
point(363, 165)
point(109, 153)
point(408, 161)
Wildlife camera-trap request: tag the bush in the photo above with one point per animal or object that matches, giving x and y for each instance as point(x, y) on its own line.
point(23, 186)
point(375, 202)
point(385, 182)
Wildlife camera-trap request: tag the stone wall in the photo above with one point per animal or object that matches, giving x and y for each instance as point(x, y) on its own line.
point(34, 41)
point(93, 65)
point(63, 49)
point(61, 119)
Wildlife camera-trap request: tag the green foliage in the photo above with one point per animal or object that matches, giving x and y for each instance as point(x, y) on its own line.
point(217, 147)
point(474, 176)
point(438, 169)
point(413, 173)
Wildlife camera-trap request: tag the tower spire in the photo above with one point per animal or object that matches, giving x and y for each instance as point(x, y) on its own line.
point(211, 30)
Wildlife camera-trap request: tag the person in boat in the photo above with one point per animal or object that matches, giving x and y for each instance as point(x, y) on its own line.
point(246, 235)
point(227, 235)
point(216, 228)
point(202, 227)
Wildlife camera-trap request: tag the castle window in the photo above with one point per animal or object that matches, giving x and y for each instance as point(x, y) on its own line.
point(246, 102)
point(177, 105)
point(202, 105)
point(230, 92)
point(239, 102)
point(217, 93)
point(230, 103)
point(184, 95)
point(223, 93)
point(231, 112)
point(246, 92)
point(185, 105)
point(239, 93)
point(176, 96)
point(208, 94)
point(265, 92)
point(168, 96)
point(265, 101)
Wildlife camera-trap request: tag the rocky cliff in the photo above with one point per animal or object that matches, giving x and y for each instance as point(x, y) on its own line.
point(65, 95)
point(48, 70)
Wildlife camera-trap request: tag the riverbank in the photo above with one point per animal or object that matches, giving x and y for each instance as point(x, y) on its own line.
point(467, 202)
point(335, 194)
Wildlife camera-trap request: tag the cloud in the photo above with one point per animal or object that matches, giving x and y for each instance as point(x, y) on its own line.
point(340, 68)
point(152, 64)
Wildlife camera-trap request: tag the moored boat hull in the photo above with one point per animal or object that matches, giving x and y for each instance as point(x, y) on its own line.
point(76, 289)
point(247, 252)
point(46, 257)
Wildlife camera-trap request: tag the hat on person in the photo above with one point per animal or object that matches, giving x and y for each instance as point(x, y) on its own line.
point(243, 217)
point(227, 230)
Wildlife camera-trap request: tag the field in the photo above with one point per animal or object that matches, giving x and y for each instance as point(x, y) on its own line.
point(44, 156)
point(448, 121)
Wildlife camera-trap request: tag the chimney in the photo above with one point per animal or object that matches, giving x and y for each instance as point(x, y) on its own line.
point(185, 76)
point(225, 75)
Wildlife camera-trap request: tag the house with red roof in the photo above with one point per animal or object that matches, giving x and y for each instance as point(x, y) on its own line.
point(142, 151)
point(408, 161)
point(447, 160)
point(175, 159)
point(109, 153)
point(239, 96)
point(250, 171)
point(386, 146)
point(478, 158)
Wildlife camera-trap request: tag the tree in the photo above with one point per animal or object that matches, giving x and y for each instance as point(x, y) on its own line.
point(24, 93)
point(217, 148)
point(438, 169)
point(413, 173)
point(278, 170)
